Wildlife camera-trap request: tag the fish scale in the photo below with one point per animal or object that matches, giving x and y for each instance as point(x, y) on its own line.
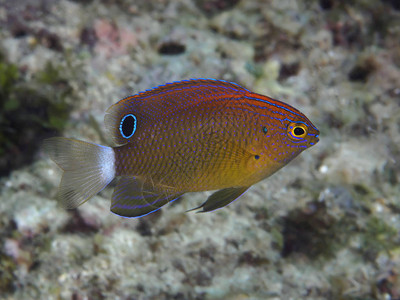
point(186, 136)
point(185, 152)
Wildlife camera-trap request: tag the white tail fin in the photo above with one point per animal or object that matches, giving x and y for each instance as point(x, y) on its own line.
point(88, 168)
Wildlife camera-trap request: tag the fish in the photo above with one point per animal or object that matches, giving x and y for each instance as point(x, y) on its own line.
point(186, 136)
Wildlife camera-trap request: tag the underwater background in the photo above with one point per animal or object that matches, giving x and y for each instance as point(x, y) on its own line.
point(326, 226)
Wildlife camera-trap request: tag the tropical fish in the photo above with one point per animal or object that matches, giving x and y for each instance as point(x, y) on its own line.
point(187, 136)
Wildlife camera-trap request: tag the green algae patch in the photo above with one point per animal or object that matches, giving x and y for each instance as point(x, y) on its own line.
point(8, 76)
point(30, 110)
point(378, 236)
point(7, 277)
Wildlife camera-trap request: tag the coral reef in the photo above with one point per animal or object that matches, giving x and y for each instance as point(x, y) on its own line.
point(326, 226)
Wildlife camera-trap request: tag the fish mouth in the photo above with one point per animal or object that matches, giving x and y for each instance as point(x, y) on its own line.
point(314, 140)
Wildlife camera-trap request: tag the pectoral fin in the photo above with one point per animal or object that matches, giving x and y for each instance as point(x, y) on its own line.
point(221, 198)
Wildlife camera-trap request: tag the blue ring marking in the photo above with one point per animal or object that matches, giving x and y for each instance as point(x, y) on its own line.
point(134, 126)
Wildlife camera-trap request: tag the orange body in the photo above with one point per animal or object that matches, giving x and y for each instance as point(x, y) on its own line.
point(211, 142)
point(187, 136)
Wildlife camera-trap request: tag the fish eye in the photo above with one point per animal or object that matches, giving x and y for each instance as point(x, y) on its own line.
point(127, 127)
point(297, 130)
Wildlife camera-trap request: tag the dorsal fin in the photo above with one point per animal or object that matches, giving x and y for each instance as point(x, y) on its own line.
point(165, 100)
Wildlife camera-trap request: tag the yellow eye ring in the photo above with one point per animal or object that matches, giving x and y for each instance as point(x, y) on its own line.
point(297, 130)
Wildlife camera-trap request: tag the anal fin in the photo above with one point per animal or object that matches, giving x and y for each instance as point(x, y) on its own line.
point(221, 198)
point(136, 197)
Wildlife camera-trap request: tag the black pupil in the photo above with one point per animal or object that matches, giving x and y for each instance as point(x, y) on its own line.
point(298, 131)
point(128, 125)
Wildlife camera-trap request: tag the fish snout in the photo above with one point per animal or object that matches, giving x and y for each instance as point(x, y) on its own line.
point(314, 139)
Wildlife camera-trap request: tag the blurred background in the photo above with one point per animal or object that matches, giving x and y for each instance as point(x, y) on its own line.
point(326, 226)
